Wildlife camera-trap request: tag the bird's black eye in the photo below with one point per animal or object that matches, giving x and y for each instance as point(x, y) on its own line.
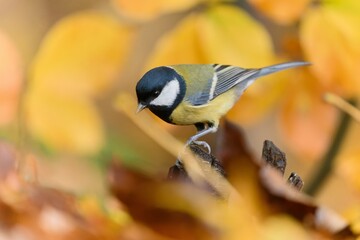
point(156, 93)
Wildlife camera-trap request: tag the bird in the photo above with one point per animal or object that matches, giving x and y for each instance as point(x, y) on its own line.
point(198, 94)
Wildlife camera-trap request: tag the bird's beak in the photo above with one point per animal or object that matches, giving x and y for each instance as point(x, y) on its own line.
point(140, 107)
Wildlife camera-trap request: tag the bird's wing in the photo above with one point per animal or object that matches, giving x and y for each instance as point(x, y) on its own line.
point(224, 77)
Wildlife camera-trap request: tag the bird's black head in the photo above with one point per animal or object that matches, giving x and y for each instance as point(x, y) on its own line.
point(161, 90)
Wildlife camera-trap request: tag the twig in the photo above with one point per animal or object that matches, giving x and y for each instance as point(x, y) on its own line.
point(343, 105)
point(295, 181)
point(208, 163)
point(274, 156)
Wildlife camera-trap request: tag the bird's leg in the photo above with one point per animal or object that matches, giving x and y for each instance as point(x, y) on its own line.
point(202, 131)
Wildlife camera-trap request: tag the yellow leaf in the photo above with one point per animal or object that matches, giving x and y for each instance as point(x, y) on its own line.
point(330, 37)
point(148, 9)
point(352, 214)
point(222, 34)
point(179, 46)
point(230, 36)
point(284, 227)
point(66, 124)
point(79, 59)
point(225, 35)
point(281, 11)
point(81, 54)
point(10, 79)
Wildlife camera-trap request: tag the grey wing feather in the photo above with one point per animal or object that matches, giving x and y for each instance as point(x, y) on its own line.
point(198, 99)
point(224, 78)
point(229, 76)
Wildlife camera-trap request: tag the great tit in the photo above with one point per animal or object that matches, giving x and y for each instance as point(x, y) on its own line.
point(198, 94)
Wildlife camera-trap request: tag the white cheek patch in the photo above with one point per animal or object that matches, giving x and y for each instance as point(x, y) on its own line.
point(168, 95)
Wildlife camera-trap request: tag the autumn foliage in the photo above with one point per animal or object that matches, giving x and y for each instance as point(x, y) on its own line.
point(76, 162)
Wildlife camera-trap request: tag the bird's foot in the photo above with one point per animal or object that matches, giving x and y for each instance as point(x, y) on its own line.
point(204, 144)
point(178, 163)
point(200, 143)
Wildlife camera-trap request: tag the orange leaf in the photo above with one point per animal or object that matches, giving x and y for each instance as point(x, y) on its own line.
point(281, 11)
point(348, 167)
point(10, 79)
point(147, 9)
point(307, 123)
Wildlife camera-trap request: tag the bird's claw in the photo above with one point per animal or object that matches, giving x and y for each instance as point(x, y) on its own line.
point(178, 163)
point(201, 143)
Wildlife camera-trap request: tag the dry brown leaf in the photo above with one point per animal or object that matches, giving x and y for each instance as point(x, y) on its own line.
point(172, 210)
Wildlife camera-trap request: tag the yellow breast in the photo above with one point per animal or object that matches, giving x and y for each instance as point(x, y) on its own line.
point(186, 114)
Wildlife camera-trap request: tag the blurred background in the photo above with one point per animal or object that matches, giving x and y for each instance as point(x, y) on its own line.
point(64, 63)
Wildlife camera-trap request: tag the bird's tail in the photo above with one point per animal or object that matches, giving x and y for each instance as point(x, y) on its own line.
point(278, 67)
